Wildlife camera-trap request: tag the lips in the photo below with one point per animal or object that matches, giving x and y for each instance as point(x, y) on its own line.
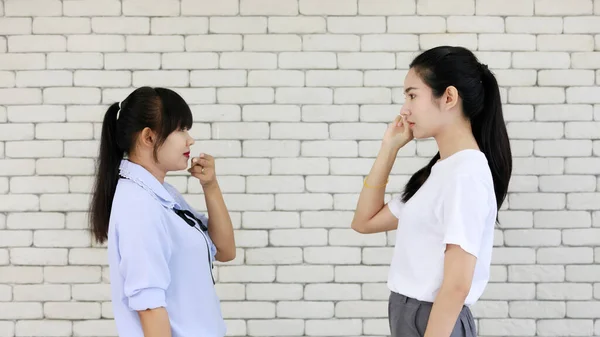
point(187, 154)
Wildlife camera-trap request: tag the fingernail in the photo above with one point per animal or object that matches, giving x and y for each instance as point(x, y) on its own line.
point(201, 154)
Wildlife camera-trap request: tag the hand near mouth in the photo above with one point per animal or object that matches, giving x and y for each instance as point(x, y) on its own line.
point(203, 168)
point(398, 133)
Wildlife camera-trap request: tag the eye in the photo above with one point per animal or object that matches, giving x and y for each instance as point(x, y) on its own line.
point(411, 96)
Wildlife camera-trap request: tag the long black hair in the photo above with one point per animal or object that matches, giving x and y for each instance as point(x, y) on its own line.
point(445, 66)
point(162, 110)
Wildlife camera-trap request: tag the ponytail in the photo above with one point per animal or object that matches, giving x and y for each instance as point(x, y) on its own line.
point(490, 133)
point(418, 179)
point(107, 175)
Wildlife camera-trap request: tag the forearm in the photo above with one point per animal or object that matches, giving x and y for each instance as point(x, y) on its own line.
point(220, 227)
point(445, 311)
point(371, 199)
point(155, 322)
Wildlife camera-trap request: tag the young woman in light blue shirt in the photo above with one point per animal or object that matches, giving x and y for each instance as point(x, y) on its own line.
point(160, 249)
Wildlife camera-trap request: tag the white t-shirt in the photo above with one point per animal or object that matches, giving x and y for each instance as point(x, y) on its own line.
point(455, 205)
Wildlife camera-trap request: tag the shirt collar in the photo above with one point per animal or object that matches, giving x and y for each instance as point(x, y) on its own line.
point(139, 175)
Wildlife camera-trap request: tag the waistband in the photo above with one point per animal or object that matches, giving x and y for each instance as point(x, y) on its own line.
point(399, 298)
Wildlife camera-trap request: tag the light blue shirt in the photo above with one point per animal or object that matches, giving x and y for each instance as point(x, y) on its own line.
point(157, 260)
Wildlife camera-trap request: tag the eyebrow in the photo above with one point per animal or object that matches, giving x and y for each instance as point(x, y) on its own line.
point(409, 89)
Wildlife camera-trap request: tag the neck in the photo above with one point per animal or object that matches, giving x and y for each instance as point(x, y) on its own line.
point(149, 165)
point(456, 138)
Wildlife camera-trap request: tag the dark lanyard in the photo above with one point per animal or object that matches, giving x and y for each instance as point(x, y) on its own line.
point(192, 220)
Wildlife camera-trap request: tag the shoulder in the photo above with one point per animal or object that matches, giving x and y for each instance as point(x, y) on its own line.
point(468, 175)
point(132, 194)
point(471, 168)
point(468, 182)
point(465, 193)
point(133, 204)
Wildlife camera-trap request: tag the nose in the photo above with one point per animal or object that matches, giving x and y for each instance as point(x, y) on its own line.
point(404, 111)
point(191, 140)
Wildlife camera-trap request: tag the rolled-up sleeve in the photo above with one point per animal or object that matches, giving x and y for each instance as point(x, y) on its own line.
point(145, 249)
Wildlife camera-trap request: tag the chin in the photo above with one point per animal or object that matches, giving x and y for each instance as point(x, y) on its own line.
point(184, 166)
point(417, 135)
point(421, 135)
point(179, 167)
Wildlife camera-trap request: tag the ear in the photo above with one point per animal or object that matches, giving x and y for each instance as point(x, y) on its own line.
point(147, 137)
point(450, 98)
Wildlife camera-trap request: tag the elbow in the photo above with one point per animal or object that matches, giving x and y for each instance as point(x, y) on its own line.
point(226, 255)
point(459, 290)
point(463, 291)
point(232, 254)
point(358, 227)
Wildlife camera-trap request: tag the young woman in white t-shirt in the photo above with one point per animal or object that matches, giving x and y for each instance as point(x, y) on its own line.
point(446, 216)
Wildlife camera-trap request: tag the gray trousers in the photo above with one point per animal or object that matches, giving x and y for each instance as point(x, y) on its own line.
point(408, 318)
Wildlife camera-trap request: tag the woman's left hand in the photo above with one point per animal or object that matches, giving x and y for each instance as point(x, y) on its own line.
point(203, 168)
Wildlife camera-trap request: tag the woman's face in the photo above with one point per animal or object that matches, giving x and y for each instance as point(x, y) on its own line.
point(174, 153)
point(421, 109)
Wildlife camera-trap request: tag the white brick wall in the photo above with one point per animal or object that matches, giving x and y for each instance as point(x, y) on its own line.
point(292, 97)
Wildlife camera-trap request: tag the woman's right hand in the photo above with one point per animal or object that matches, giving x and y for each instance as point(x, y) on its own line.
point(398, 133)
